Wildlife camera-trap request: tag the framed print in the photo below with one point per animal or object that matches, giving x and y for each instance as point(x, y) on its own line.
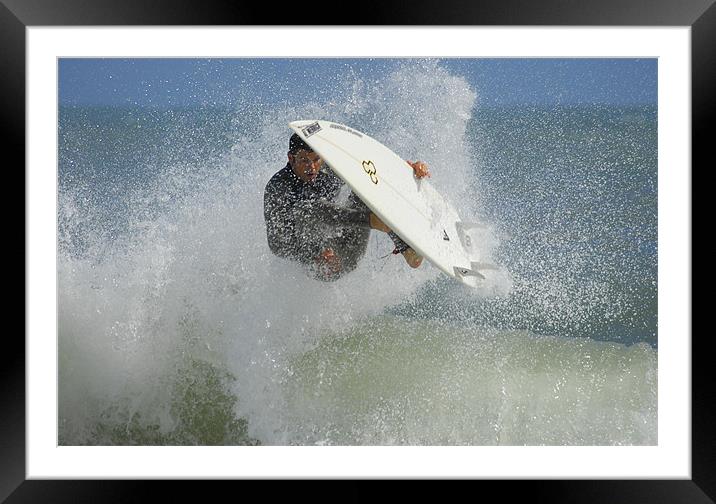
point(187, 344)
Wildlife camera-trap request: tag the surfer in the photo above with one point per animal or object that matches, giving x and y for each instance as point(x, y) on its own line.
point(304, 221)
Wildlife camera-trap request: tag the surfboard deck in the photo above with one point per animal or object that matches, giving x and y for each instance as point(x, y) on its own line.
point(411, 207)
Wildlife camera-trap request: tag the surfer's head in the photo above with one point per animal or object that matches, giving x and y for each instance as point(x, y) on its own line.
point(304, 162)
point(296, 143)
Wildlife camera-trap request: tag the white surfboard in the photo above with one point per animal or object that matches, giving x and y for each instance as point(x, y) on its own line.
point(411, 207)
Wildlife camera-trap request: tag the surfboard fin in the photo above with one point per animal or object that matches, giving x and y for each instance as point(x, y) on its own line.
point(484, 266)
point(474, 269)
point(466, 272)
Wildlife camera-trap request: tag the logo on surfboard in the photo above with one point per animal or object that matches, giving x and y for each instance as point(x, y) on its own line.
point(311, 129)
point(369, 168)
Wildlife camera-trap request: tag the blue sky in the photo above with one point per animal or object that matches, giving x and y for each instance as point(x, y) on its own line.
point(228, 82)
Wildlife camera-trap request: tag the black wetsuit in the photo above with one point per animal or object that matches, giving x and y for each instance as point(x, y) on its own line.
point(303, 219)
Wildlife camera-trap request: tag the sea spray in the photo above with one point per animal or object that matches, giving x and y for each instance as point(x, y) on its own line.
point(178, 326)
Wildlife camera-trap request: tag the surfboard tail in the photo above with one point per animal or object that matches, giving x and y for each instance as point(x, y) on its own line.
point(467, 226)
point(463, 232)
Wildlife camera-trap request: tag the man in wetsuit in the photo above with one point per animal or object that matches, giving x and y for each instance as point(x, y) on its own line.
point(304, 222)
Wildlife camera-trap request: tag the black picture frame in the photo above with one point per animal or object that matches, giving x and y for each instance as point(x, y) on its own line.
point(700, 15)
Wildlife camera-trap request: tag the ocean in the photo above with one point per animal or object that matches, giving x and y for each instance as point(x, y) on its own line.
point(177, 326)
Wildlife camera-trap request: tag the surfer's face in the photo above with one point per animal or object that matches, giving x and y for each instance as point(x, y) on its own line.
point(305, 165)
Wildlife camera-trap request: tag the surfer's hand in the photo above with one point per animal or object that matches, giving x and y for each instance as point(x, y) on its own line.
point(376, 223)
point(328, 262)
point(420, 169)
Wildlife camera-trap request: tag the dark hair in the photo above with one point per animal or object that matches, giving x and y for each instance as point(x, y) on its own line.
point(296, 144)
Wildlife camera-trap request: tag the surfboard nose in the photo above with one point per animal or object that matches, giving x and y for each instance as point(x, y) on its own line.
point(301, 123)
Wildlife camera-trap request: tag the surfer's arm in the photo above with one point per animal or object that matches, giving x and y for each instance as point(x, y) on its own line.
point(357, 214)
point(334, 215)
point(280, 231)
point(376, 223)
point(282, 242)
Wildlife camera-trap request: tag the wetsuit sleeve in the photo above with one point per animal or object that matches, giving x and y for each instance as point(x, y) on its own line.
point(281, 230)
point(357, 214)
